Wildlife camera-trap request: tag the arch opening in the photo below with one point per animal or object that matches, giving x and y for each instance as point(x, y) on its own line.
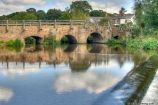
point(68, 39)
point(33, 40)
point(94, 37)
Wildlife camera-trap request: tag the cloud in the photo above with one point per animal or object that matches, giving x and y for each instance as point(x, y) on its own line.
point(112, 6)
point(23, 2)
point(10, 6)
point(5, 94)
point(90, 81)
point(7, 9)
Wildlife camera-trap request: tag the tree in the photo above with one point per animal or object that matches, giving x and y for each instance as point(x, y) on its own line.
point(139, 15)
point(32, 10)
point(83, 6)
point(80, 10)
point(122, 11)
point(97, 13)
point(79, 15)
point(65, 15)
point(22, 16)
point(41, 15)
point(53, 14)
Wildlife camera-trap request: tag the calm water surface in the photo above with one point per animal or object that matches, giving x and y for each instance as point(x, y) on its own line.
point(77, 75)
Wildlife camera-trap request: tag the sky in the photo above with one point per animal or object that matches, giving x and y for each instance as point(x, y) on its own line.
point(111, 6)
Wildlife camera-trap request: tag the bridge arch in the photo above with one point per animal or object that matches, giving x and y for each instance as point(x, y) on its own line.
point(33, 40)
point(94, 37)
point(69, 39)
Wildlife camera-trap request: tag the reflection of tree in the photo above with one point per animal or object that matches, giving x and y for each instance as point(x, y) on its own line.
point(80, 65)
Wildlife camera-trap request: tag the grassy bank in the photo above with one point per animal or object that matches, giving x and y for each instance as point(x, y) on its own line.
point(144, 42)
point(15, 45)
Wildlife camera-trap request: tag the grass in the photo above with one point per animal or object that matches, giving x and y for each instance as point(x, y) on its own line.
point(145, 42)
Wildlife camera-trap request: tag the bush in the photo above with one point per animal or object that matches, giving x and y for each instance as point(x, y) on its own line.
point(50, 42)
point(14, 43)
point(64, 40)
point(135, 43)
point(30, 41)
point(114, 41)
point(150, 43)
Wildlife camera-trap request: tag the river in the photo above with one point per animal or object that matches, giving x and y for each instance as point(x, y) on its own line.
point(78, 75)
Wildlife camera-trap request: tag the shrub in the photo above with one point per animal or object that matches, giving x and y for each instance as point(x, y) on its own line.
point(64, 40)
point(135, 43)
point(14, 43)
point(51, 42)
point(30, 41)
point(150, 43)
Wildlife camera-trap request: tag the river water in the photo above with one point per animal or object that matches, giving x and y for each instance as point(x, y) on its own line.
point(78, 75)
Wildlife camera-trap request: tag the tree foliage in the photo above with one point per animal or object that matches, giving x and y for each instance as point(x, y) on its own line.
point(41, 15)
point(98, 13)
point(122, 11)
point(79, 10)
point(83, 6)
point(146, 13)
point(53, 14)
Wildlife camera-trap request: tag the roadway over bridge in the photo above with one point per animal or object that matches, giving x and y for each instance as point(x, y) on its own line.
point(77, 31)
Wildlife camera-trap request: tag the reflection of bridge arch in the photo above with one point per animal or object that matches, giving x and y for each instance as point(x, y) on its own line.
point(70, 48)
point(37, 39)
point(95, 48)
point(70, 39)
point(94, 37)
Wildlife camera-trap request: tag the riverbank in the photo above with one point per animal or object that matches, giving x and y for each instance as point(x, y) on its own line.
point(143, 42)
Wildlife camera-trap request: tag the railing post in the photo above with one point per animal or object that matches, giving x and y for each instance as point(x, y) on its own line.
point(7, 26)
point(23, 26)
point(55, 23)
point(40, 25)
point(85, 23)
point(71, 23)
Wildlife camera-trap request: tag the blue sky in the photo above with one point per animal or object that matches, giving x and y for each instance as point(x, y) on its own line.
point(113, 6)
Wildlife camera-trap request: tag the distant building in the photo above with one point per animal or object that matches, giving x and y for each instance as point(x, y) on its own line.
point(118, 20)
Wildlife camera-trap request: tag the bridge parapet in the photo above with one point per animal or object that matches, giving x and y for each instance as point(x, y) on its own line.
point(79, 29)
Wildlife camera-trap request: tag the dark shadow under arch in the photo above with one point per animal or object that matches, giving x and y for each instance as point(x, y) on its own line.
point(33, 40)
point(95, 37)
point(70, 48)
point(69, 39)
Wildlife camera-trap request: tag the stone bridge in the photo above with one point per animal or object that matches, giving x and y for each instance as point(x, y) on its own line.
point(77, 31)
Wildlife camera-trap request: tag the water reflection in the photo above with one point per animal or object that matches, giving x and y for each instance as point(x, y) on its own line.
point(5, 94)
point(133, 87)
point(91, 81)
point(70, 48)
point(75, 75)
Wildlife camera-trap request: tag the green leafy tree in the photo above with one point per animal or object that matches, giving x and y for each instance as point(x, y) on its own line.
point(97, 13)
point(80, 10)
point(122, 11)
point(53, 14)
point(22, 16)
point(33, 10)
point(65, 15)
point(41, 15)
point(83, 6)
